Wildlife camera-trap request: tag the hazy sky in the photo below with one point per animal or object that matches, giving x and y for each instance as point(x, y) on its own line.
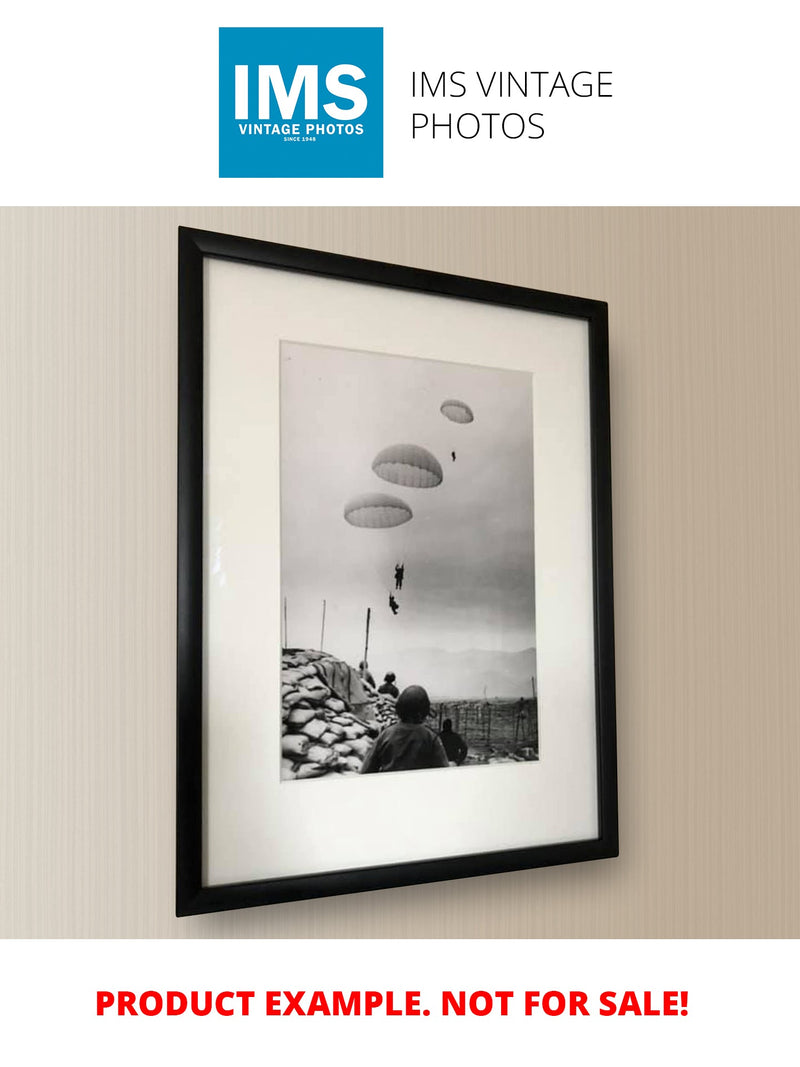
point(468, 550)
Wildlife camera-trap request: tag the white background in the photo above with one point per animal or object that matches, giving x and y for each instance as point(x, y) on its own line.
point(741, 1000)
point(104, 105)
point(106, 108)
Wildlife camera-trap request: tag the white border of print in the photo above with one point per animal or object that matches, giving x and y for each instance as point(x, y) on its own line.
point(256, 828)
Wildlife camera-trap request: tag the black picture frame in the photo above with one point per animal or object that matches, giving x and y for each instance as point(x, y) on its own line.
point(192, 896)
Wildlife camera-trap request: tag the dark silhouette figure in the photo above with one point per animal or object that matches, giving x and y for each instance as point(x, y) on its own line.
point(454, 744)
point(453, 455)
point(388, 687)
point(408, 745)
point(364, 674)
point(393, 604)
point(521, 725)
point(399, 573)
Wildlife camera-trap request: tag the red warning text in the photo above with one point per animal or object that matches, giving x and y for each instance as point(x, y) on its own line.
point(368, 1002)
point(532, 1003)
point(630, 1002)
point(174, 1002)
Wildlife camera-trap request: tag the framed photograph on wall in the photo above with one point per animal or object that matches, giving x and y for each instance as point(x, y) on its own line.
point(395, 608)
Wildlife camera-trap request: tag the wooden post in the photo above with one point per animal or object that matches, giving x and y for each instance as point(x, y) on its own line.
point(322, 634)
point(366, 639)
point(534, 716)
point(521, 731)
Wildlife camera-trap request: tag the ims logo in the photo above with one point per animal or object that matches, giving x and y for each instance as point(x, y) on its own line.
point(301, 103)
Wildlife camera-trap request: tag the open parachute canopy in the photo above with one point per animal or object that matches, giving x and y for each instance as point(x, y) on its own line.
point(376, 511)
point(457, 411)
point(408, 465)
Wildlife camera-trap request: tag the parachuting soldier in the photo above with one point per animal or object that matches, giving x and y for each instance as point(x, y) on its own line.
point(376, 511)
point(393, 604)
point(399, 571)
point(457, 411)
point(409, 465)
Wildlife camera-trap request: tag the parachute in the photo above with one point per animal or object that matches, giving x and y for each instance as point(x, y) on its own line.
point(457, 411)
point(377, 511)
point(408, 465)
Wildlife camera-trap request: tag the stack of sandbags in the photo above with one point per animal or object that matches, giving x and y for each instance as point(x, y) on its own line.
point(321, 734)
point(382, 710)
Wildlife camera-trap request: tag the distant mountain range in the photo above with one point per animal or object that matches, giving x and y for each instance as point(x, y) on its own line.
point(465, 675)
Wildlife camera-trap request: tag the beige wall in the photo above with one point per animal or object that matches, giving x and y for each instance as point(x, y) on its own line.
point(705, 350)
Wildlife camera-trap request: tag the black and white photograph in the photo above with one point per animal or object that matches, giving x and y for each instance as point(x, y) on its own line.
point(407, 564)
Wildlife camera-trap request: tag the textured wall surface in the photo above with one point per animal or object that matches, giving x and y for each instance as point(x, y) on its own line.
point(705, 381)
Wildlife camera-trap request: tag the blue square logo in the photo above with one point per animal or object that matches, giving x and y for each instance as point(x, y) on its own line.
point(301, 103)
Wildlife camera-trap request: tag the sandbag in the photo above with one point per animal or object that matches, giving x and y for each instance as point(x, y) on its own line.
point(352, 733)
point(295, 745)
point(314, 729)
point(321, 754)
point(291, 677)
point(300, 716)
point(361, 747)
point(310, 770)
point(291, 699)
point(314, 696)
